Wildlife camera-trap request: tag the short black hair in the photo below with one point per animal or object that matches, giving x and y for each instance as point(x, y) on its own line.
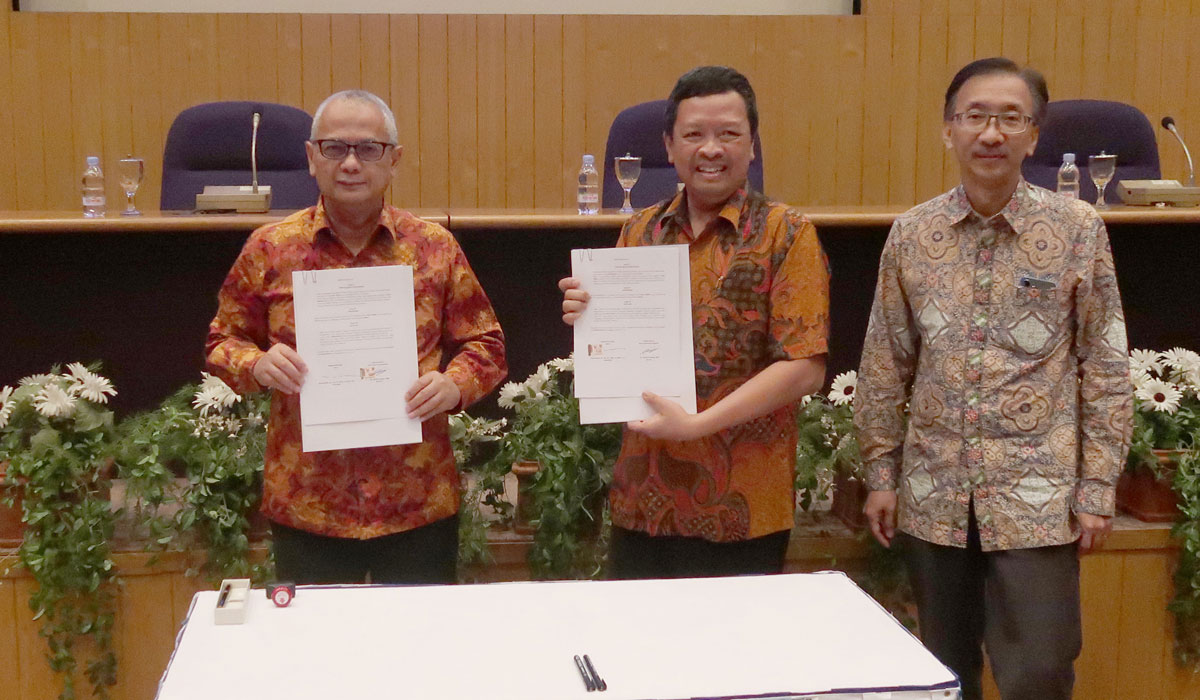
point(710, 80)
point(998, 64)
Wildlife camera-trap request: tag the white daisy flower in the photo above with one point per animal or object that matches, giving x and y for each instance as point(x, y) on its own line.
point(1144, 361)
point(54, 401)
point(89, 385)
point(1139, 378)
point(37, 379)
point(537, 381)
point(1180, 359)
point(563, 364)
point(214, 395)
point(508, 395)
point(842, 390)
point(6, 406)
point(1160, 395)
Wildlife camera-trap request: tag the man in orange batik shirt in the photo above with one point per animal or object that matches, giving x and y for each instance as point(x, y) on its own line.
point(390, 512)
point(711, 494)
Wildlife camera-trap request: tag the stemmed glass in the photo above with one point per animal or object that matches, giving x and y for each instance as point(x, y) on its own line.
point(629, 169)
point(1102, 168)
point(130, 172)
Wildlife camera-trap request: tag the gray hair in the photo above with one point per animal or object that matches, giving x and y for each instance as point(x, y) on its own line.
point(389, 119)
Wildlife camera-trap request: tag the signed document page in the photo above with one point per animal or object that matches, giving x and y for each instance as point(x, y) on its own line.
point(356, 330)
point(636, 333)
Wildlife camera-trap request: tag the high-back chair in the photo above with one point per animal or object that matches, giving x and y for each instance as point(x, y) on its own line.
point(1086, 127)
point(638, 131)
point(209, 144)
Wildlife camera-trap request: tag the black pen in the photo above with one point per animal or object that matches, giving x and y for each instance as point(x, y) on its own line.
point(587, 680)
point(596, 679)
point(223, 596)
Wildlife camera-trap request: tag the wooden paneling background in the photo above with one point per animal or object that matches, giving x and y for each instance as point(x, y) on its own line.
point(494, 110)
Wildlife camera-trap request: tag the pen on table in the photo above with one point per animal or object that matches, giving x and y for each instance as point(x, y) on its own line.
point(596, 679)
point(587, 680)
point(223, 596)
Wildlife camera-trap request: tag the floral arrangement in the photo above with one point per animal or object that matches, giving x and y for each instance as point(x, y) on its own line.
point(827, 443)
point(215, 439)
point(569, 488)
point(1166, 400)
point(56, 440)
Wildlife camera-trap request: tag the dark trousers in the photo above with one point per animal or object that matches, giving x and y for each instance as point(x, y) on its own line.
point(636, 555)
point(427, 554)
point(1022, 604)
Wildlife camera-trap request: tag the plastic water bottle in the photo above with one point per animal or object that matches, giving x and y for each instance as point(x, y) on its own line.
point(589, 186)
point(1068, 177)
point(93, 188)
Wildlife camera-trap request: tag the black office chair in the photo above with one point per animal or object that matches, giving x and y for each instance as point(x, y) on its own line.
point(638, 131)
point(209, 144)
point(1085, 128)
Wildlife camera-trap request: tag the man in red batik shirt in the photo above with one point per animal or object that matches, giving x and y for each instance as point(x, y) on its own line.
point(390, 512)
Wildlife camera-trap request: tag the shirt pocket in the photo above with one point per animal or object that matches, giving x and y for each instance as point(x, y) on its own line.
point(1034, 317)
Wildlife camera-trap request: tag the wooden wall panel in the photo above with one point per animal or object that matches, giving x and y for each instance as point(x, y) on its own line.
point(496, 110)
point(406, 105)
point(462, 82)
point(548, 112)
point(434, 145)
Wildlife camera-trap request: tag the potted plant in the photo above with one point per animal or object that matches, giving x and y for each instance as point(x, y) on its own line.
point(1166, 429)
point(480, 488)
point(56, 437)
point(214, 439)
point(827, 451)
point(569, 487)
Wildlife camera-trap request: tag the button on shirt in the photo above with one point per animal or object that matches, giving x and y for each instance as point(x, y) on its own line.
point(365, 492)
point(760, 294)
point(1006, 337)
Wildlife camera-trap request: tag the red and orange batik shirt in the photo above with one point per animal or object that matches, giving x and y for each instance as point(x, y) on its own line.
point(365, 492)
point(760, 294)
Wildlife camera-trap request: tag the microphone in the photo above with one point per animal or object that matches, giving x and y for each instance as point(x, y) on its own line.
point(1169, 124)
point(239, 198)
point(254, 153)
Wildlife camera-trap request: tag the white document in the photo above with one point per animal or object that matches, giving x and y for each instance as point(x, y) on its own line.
point(636, 333)
point(356, 330)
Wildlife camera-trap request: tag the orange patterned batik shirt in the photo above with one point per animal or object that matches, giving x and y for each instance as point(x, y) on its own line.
point(1006, 337)
point(760, 294)
point(365, 492)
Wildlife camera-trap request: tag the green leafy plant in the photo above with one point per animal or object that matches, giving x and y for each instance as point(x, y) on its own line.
point(214, 439)
point(569, 490)
point(1167, 417)
point(481, 488)
point(56, 439)
point(827, 443)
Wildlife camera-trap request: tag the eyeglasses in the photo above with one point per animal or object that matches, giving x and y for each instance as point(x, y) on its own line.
point(366, 151)
point(1006, 122)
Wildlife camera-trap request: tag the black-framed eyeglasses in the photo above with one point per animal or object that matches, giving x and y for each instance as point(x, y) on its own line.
point(366, 151)
point(1006, 122)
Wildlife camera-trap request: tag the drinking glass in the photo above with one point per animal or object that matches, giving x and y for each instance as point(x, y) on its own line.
point(130, 171)
point(629, 169)
point(1101, 168)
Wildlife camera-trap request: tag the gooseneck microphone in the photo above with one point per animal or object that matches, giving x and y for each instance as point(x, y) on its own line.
point(1169, 124)
point(254, 153)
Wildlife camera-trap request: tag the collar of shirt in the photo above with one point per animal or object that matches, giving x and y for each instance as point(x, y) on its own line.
point(320, 223)
point(959, 207)
point(731, 212)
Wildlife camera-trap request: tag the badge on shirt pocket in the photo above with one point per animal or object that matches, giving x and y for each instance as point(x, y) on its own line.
point(1034, 290)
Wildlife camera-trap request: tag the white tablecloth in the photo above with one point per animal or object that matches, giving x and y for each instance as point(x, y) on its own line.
point(763, 636)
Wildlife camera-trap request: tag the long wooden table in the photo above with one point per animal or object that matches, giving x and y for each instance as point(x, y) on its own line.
point(138, 292)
